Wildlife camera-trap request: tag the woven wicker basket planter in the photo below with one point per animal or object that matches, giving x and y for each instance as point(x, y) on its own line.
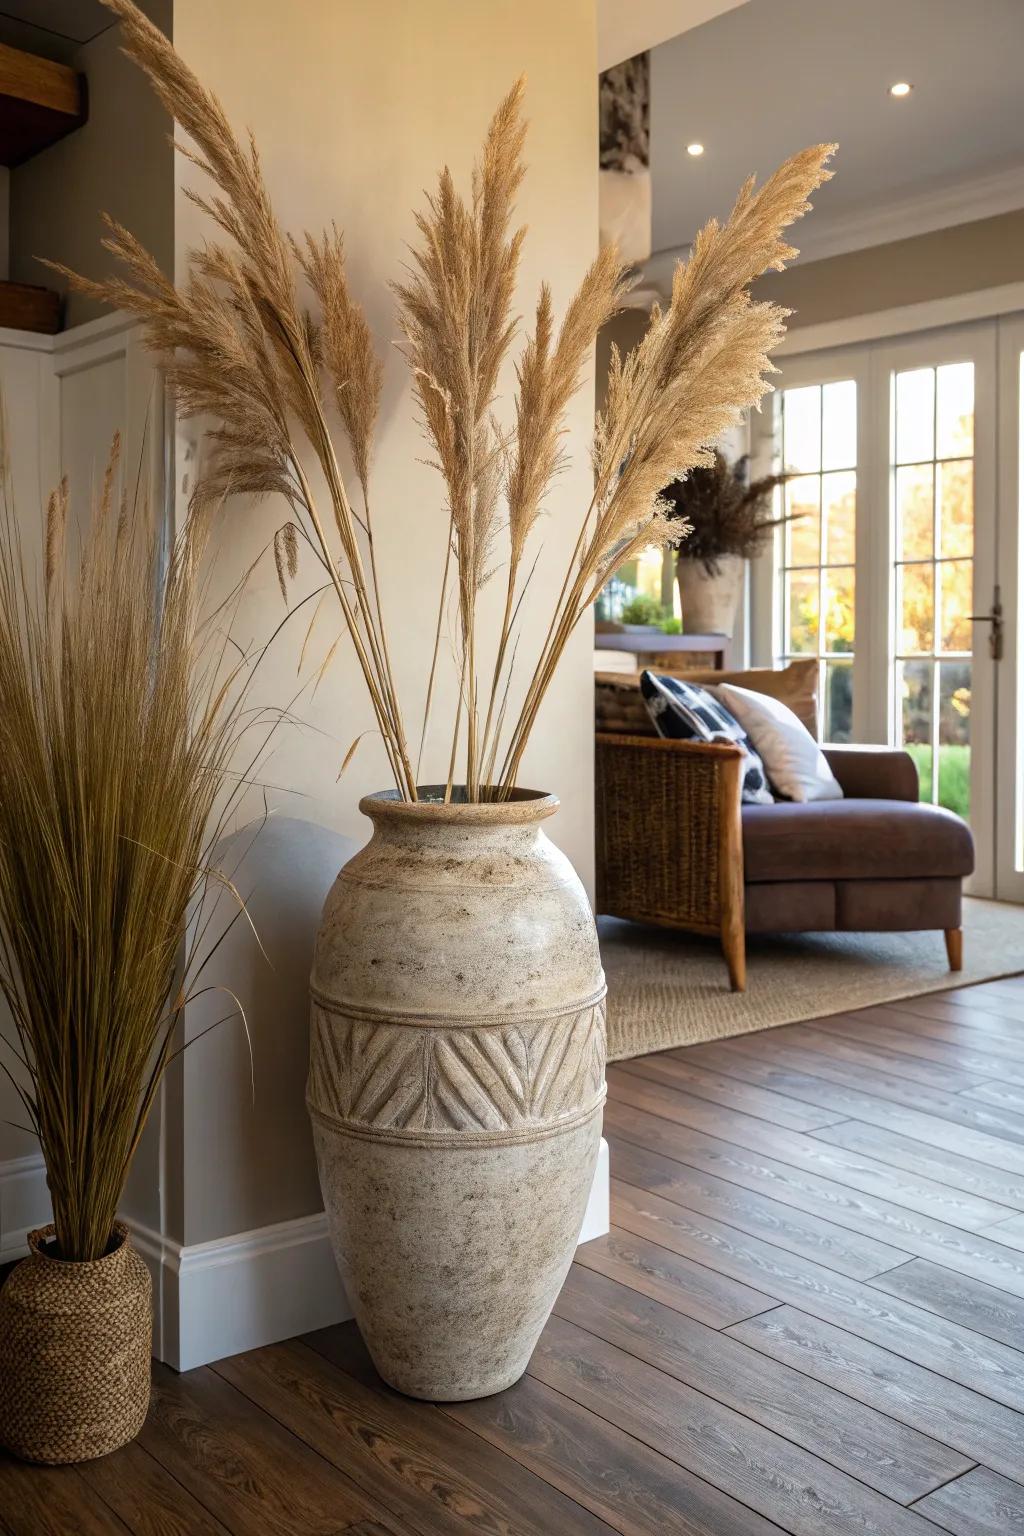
point(75, 1346)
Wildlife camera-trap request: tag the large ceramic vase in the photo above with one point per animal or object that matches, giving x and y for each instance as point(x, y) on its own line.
point(709, 600)
point(456, 1084)
point(75, 1347)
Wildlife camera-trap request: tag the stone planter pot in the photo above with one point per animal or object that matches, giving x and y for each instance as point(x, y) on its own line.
point(75, 1347)
point(709, 602)
point(456, 1083)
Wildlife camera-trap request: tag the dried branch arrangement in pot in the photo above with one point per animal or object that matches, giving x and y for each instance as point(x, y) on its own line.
point(238, 343)
point(723, 510)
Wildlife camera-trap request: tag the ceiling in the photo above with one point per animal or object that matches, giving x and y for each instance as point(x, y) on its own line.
point(77, 20)
point(626, 27)
point(762, 80)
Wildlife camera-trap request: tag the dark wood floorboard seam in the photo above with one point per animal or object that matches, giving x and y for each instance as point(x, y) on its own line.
point(637, 1067)
point(93, 1470)
point(981, 1503)
point(781, 1434)
point(387, 1511)
point(981, 1143)
point(423, 1521)
point(803, 1300)
point(504, 1482)
point(214, 1366)
point(818, 1084)
point(647, 1444)
point(802, 1492)
point(825, 1155)
point(451, 1411)
point(923, 1237)
point(959, 1173)
point(833, 1217)
point(255, 1469)
point(796, 1304)
point(448, 1411)
point(980, 1430)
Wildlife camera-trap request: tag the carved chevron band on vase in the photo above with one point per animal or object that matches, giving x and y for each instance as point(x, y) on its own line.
point(501, 1081)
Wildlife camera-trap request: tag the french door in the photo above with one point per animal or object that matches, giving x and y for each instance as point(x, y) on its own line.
point(892, 567)
point(1009, 776)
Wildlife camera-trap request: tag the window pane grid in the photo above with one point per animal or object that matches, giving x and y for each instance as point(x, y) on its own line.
point(817, 576)
point(932, 491)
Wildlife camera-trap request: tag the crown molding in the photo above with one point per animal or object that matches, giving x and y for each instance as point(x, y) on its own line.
point(908, 319)
point(963, 202)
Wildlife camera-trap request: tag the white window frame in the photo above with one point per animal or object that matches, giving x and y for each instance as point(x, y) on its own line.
point(766, 617)
point(1009, 703)
point(871, 364)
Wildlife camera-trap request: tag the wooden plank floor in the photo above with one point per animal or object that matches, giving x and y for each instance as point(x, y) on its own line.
point(808, 1317)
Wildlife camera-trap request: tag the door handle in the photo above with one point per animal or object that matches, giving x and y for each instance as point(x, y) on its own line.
point(994, 617)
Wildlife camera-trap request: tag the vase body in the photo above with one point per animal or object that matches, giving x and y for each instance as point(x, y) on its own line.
point(709, 602)
point(456, 1085)
point(75, 1347)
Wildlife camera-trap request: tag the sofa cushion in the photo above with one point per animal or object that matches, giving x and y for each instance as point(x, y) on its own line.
point(619, 708)
point(854, 840)
point(790, 906)
point(897, 906)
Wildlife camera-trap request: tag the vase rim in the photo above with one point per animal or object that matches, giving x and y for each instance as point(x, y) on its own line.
point(523, 807)
point(38, 1239)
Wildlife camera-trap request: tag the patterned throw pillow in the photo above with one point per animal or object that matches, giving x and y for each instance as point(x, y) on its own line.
point(683, 712)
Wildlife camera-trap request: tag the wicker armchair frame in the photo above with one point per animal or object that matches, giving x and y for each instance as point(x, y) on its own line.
point(670, 838)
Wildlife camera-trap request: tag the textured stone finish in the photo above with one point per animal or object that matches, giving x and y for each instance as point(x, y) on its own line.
point(456, 1083)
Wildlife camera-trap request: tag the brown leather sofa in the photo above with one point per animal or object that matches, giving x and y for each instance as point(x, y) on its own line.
point(675, 847)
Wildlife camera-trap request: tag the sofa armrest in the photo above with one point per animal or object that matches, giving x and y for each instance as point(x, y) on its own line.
point(874, 773)
point(669, 836)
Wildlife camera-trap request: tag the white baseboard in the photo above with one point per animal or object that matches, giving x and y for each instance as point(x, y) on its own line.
point(24, 1203)
point(597, 1222)
point(216, 1299)
point(235, 1293)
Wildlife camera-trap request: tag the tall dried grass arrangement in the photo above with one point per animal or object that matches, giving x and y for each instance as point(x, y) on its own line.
point(120, 712)
point(237, 342)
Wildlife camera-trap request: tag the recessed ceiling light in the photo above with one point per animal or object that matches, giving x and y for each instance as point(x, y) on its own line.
point(901, 88)
point(695, 149)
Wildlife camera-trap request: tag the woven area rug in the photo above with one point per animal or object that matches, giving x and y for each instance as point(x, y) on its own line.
point(667, 989)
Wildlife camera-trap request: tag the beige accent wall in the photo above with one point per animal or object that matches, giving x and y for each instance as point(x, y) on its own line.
point(355, 108)
point(119, 162)
point(962, 259)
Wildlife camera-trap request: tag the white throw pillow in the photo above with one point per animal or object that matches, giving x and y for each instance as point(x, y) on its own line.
point(793, 761)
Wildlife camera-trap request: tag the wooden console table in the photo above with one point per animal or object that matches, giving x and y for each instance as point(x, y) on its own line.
point(657, 644)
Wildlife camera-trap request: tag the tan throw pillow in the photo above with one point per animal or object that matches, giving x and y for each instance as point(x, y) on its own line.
point(619, 707)
point(796, 686)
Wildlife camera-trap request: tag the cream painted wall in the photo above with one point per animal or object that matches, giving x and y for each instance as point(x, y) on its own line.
point(355, 108)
